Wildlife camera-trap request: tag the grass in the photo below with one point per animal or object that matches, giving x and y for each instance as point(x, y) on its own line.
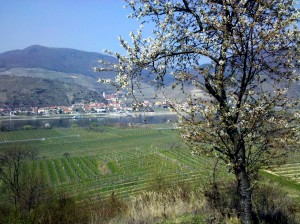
point(287, 184)
point(185, 219)
point(123, 160)
point(126, 161)
point(289, 170)
point(286, 175)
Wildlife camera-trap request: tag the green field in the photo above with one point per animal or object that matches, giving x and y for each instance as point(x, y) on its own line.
point(93, 163)
point(290, 170)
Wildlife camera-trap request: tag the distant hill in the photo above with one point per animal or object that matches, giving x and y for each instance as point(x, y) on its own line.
point(54, 59)
point(26, 92)
point(67, 71)
point(58, 66)
point(45, 76)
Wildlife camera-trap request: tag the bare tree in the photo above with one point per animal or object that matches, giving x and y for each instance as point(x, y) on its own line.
point(32, 192)
point(11, 170)
point(243, 115)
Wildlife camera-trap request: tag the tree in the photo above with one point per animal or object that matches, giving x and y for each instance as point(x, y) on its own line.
point(67, 155)
point(243, 115)
point(25, 189)
point(12, 174)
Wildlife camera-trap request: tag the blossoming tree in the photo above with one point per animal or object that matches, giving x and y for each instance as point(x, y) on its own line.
point(243, 115)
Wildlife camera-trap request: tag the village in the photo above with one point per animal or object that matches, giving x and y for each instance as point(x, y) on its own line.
point(114, 103)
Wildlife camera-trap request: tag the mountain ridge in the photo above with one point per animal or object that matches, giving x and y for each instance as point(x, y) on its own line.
point(62, 69)
point(66, 60)
point(64, 65)
point(73, 68)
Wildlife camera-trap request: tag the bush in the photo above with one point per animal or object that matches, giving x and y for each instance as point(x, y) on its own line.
point(222, 202)
point(60, 208)
point(47, 126)
point(109, 209)
point(270, 204)
point(94, 125)
point(28, 127)
point(74, 126)
point(164, 205)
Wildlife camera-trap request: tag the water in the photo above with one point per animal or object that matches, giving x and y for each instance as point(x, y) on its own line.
point(64, 122)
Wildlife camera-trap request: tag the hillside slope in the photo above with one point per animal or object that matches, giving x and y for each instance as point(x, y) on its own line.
point(26, 92)
point(73, 68)
point(54, 59)
point(43, 76)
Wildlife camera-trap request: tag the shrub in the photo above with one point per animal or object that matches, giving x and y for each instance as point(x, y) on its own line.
point(163, 204)
point(108, 209)
point(47, 126)
point(28, 127)
point(94, 125)
point(74, 126)
point(222, 202)
point(61, 208)
point(272, 205)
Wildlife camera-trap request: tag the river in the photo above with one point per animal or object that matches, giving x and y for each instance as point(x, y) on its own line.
point(14, 123)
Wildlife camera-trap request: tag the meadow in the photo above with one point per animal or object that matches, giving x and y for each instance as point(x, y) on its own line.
point(91, 163)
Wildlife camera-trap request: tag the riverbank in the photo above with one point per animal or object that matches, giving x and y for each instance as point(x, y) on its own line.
point(78, 116)
point(85, 120)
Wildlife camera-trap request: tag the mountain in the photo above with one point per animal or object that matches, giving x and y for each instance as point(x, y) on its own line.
point(68, 70)
point(54, 59)
point(70, 67)
point(43, 76)
point(26, 92)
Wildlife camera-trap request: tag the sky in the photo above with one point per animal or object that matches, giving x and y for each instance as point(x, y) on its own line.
point(89, 25)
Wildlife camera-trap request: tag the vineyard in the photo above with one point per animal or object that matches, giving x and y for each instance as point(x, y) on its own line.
point(290, 170)
point(92, 163)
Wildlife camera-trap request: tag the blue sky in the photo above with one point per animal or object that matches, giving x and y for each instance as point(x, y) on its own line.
point(90, 25)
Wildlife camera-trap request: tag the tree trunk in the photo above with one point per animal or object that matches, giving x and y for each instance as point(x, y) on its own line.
point(245, 194)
